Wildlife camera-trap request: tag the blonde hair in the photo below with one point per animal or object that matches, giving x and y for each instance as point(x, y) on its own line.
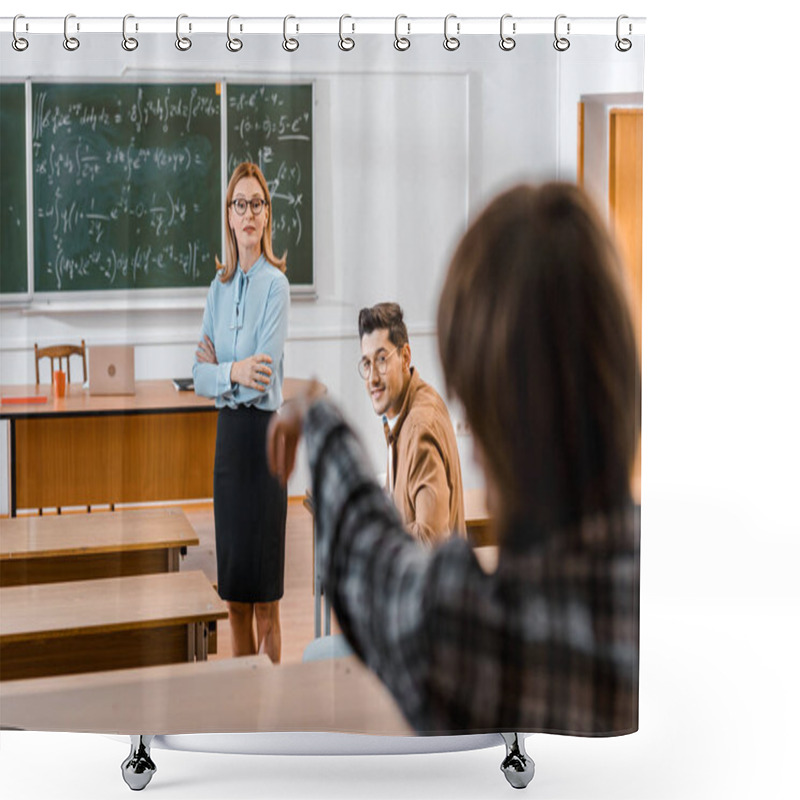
point(247, 170)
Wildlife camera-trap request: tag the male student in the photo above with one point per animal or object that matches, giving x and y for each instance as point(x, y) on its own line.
point(423, 469)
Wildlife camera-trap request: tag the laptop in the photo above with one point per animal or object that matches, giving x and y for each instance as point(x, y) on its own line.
point(111, 370)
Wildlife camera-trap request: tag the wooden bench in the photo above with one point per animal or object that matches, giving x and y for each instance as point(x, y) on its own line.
point(224, 696)
point(110, 623)
point(76, 547)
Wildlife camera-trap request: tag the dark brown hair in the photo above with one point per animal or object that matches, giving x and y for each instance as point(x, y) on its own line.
point(247, 170)
point(536, 340)
point(383, 316)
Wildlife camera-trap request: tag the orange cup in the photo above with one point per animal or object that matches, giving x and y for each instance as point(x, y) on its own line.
point(59, 383)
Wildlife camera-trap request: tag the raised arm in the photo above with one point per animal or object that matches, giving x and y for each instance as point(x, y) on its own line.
point(374, 571)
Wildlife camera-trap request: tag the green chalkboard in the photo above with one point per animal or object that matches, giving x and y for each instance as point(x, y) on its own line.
point(126, 185)
point(128, 180)
point(13, 191)
point(271, 126)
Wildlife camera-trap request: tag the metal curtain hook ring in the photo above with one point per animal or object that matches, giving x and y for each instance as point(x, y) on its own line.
point(182, 42)
point(401, 42)
point(289, 44)
point(623, 45)
point(70, 42)
point(451, 42)
point(129, 43)
point(507, 42)
point(233, 44)
point(19, 43)
point(345, 42)
point(561, 43)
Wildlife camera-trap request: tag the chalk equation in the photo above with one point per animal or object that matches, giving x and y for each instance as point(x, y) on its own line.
point(126, 185)
point(267, 112)
point(128, 179)
point(272, 126)
point(140, 267)
point(150, 106)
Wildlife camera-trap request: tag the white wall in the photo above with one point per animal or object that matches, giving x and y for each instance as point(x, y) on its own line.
point(406, 149)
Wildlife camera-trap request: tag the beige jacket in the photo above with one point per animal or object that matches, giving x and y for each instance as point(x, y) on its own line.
point(427, 472)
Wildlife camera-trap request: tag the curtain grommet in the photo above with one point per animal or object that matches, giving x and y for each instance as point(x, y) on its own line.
point(19, 43)
point(233, 44)
point(71, 43)
point(289, 44)
point(561, 43)
point(129, 43)
point(346, 43)
point(451, 43)
point(507, 43)
point(401, 43)
point(183, 43)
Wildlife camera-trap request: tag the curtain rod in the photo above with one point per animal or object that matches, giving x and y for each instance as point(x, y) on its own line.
point(187, 25)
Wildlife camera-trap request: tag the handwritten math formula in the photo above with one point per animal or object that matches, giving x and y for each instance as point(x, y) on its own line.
point(128, 179)
point(126, 185)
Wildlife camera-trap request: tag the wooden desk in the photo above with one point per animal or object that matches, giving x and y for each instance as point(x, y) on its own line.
point(476, 516)
point(112, 623)
point(79, 547)
point(154, 446)
point(479, 523)
point(226, 696)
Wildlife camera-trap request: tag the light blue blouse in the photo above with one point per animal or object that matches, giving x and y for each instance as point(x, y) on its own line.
point(247, 315)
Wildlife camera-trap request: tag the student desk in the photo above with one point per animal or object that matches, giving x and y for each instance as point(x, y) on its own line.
point(110, 623)
point(226, 696)
point(76, 547)
point(476, 516)
point(156, 445)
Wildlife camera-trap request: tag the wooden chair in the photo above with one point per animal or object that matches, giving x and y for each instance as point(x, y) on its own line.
point(60, 353)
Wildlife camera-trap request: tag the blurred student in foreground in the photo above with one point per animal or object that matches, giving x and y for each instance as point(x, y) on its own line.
point(536, 341)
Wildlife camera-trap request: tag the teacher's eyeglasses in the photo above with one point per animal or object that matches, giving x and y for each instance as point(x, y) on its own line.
point(256, 204)
point(381, 363)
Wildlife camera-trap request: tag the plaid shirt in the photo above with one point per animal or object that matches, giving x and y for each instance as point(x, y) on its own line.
point(548, 643)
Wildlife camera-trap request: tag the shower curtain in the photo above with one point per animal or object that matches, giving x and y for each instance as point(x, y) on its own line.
point(380, 142)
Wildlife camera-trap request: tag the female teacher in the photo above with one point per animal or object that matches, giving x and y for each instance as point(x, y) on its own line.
point(244, 329)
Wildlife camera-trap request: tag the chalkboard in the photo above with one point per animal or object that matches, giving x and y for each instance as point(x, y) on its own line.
point(126, 189)
point(128, 180)
point(13, 191)
point(271, 125)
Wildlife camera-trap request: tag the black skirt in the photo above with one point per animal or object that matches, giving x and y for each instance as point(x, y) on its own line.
point(249, 510)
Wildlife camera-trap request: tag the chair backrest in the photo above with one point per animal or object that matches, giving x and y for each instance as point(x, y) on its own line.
point(60, 353)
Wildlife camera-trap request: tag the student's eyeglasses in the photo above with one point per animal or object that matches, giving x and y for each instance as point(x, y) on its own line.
point(256, 204)
point(380, 363)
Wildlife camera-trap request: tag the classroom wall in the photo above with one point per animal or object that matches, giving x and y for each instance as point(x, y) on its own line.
point(401, 164)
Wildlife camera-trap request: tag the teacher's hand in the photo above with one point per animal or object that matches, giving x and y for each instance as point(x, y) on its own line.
point(205, 351)
point(252, 372)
